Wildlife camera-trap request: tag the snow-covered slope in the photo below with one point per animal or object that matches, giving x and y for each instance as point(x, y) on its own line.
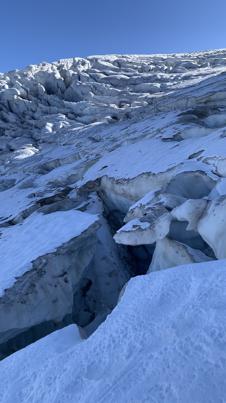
point(112, 167)
point(164, 342)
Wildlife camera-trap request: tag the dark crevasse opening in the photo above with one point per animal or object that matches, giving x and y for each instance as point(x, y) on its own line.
point(30, 335)
point(99, 288)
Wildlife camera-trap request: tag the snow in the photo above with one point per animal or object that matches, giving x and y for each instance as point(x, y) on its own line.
point(25, 152)
point(164, 342)
point(119, 139)
point(135, 224)
point(170, 253)
point(220, 188)
point(148, 198)
point(190, 211)
point(132, 160)
point(40, 355)
point(38, 235)
point(12, 202)
point(212, 226)
point(137, 232)
point(154, 156)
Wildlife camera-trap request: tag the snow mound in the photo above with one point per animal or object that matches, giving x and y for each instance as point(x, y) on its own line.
point(164, 342)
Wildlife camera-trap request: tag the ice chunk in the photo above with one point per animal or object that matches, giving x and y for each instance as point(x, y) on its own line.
point(212, 226)
point(146, 230)
point(170, 253)
point(190, 211)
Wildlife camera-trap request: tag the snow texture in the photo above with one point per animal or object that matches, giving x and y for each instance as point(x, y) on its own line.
point(112, 166)
point(22, 244)
point(164, 342)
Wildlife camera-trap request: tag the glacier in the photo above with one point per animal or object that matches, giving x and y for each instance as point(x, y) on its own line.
point(112, 229)
point(164, 342)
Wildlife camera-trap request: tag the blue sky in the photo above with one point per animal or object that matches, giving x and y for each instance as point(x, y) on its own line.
point(33, 31)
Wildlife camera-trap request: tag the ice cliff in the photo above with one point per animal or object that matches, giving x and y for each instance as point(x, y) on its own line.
point(114, 167)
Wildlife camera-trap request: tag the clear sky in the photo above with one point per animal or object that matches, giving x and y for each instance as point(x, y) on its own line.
point(33, 31)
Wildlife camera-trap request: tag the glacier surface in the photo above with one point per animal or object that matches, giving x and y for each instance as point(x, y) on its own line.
point(113, 167)
point(164, 342)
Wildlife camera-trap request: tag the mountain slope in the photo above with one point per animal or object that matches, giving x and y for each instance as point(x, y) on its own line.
point(112, 167)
